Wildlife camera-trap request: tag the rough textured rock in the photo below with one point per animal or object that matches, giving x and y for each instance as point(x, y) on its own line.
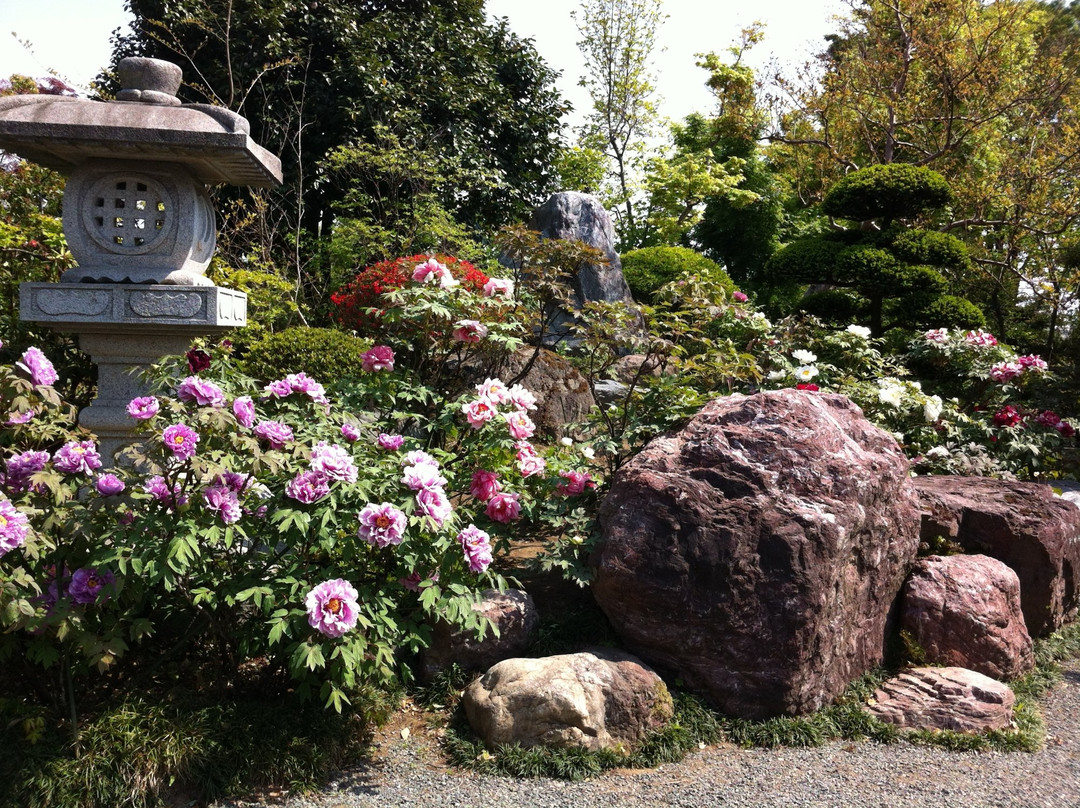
point(1021, 524)
point(756, 554)
point(944, 698)
point(562, 393)
point(573, 215)
point(601, 699)
point(964, 611)
point(514, 615)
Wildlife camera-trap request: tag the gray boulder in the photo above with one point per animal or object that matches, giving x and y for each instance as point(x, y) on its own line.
point(595, 700)
point(756, 553)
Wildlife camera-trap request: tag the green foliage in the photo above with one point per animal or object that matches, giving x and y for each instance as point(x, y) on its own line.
point(887, 192)
point(649, 268)
point(322, 353)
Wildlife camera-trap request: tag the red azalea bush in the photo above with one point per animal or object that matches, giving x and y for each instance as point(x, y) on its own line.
point(356, 304)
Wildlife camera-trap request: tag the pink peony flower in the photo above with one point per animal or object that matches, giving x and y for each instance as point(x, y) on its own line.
point(307, 487)
point(244, 410)
point(499, 286)
point(469, 331)
point(485, 485)
point(381, 525)
point(423, 475)
point(276, 433)
point(528, 461)
point(333, 461)
point(414, 579)
point(281, 388)
point(202, 392)
point(503, 508)
point(350, 431)
point(807, 386)
point(378, 358)
point(494, 391)
point(519, 425)
point(14, 526)
point(86, 585)
point(1048, 418)
point(109, 485)
point(332, 607)
point(180, 439)
point(739, 297)
point(1032, 363)
point(476, 544)
point(1005, 371)
point(15, 419)
point(478, 412)
point(390, 443)
point(433, 502)
point(418, 457)
point(223, 501)
point(937, 336)
point(521, 398)
point(980, 339)
point(143, 408)
point(37, 366)
point(431, 271)
point(158, 488)
point(576, 483)
point(1007, 417)
point(77, 457)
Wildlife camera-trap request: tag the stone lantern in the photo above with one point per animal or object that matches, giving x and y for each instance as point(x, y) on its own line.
point(139, 222)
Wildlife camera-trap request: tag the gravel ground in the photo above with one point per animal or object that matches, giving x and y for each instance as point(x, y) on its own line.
point(409, 772)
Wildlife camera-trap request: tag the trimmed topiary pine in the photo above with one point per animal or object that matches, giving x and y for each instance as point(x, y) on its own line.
point(322, 353)
point(649, 268)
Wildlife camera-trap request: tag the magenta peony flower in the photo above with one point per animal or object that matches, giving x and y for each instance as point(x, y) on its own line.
point(37, 366)
point(414, 579)
point(469, 331)
point(423, 475)
point(350, 431)
point(15, 419)
point(1007, 417)
point(158, 488)
point(180, 439)
point(307, 487)
point(276, 433)
point(378, 358)
point(528, 461)
point(281, 388)
point(244, 410)
point(223, 501)
point(201, 391)
point(332, 607)
point(14, 526)
point(503, 508)
point(1066, 429)
point(333, 462)
point(302, 383)
point(86, 585)
point(143, 408)
point(109, 485)
point(519, 424)
point(18, 469)
point(77, 457)
point(381, 525)
point(485, 485)
point(476, 545)
point(1048, 418)
point(576, 483)
point(433, 502)
point(1032, 363)
point(390, 443)
point(499, 286)
point(478, 412)
point(739, 297)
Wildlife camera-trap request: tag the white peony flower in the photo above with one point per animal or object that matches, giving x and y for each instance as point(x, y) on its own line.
point(859, 331)
point(932, 408)
point(804, 357)
point(805, 373)
point(892, 394)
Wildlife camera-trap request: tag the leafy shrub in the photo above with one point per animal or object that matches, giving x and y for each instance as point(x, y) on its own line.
point(359, 304)
point(649, 268)
point(322, 353)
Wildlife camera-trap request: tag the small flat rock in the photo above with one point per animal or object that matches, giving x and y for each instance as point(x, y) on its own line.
point(944, 698)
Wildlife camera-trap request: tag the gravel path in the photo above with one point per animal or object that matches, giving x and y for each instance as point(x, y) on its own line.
point(409, 772)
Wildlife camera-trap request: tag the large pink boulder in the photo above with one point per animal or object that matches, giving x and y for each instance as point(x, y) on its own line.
point(1021, 524)
point(756, 553)
point(964, 611)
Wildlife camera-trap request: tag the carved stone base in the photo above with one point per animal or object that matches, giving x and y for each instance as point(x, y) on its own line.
point(125, 329)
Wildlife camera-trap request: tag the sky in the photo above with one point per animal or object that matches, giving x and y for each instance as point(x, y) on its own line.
point(71, 38)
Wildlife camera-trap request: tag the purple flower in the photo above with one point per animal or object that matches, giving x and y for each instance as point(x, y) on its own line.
point(19, 468)
point(202, 392)
point(143, 408)
point(180, 439)
point(234, 481)
point(77, 457)
point(86, 584)
point(332, 607)
point(197, 361)
point(223, 501)
point(350, 431)
point(390, 443)
point(382, 524)
point(307, 487)
point(109, 485)
point(158, 488)
point(476, 545)
point(14, 419)
point(38, 366)
point(301, 383)
point(276, 433)
point(423, 475)
point(13, 527)
point(333, 461)
point(414, 579)
point(244, 410)
point(378, 358)
point(433, 502)
point(279, 389)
